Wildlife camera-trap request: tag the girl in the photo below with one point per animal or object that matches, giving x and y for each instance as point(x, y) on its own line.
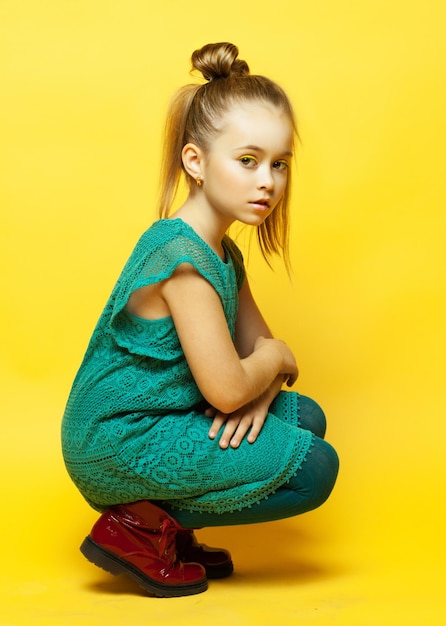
point(176, 419)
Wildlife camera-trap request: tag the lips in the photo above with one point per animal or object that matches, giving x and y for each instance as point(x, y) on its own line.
point(262, 203)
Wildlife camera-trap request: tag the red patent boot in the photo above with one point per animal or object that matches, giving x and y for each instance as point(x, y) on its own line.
point(216, 561)
point(138, 539)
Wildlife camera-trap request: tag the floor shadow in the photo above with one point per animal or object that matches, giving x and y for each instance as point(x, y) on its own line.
point(272, 553)
point(275, 551)
point(114, 585)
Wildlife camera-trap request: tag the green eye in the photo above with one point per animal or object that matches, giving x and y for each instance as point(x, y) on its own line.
point(281, 165)
point(248, 161)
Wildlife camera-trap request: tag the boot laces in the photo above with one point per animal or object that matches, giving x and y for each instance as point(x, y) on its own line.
point(167, 540)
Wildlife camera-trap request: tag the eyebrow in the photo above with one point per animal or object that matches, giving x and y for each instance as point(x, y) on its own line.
point(258, 149)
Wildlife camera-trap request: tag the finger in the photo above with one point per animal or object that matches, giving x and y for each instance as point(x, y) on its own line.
point(257, 426)
point(292, 379)
point(231, 427)
point(219, 420)
point(241, 430)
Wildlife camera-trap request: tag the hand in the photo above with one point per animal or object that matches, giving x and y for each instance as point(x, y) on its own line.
point(289, 370)
point(250, 417)
point(253, 416)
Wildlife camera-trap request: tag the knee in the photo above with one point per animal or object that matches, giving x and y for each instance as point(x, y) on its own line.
point(317, 476)
point(312, 417)
point(324, 465)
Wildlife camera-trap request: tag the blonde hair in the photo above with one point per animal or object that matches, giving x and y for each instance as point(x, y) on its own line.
point(194, 115)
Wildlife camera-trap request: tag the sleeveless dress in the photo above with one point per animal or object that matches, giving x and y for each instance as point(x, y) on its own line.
point(134, 426)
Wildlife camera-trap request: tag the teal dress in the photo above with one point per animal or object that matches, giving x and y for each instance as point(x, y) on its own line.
point(134, 426)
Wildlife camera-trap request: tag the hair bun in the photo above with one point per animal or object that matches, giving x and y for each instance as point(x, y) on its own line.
point(219, 60)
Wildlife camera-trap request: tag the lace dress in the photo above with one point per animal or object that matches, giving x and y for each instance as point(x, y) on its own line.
point(134, 426)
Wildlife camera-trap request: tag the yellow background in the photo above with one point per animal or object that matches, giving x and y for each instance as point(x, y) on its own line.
point(84, 87)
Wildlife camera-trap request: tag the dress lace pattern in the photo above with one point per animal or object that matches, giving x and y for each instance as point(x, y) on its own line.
point(134, 426)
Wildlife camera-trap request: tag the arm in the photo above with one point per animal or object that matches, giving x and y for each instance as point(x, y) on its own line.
point(251, 417)
point(227, 381)
point(250, 323)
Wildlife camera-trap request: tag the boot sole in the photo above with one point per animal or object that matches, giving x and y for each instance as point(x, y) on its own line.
point(114, 565)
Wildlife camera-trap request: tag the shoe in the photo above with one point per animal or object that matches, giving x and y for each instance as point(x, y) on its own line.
point(216, 561)
point(138, 539)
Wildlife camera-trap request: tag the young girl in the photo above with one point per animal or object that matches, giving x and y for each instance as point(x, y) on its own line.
point(176, 419)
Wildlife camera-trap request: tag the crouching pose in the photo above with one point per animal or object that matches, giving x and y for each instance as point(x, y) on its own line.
point(177, 418)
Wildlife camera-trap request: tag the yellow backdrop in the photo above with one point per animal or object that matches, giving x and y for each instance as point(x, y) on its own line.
point(84, 86)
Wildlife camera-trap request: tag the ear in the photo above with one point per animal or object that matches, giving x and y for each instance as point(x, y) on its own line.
point(192, 157)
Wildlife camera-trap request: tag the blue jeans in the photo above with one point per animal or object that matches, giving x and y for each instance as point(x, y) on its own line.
point(307, 490)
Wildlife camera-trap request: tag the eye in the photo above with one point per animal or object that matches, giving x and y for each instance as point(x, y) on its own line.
point(282, 166)
point(248, 160)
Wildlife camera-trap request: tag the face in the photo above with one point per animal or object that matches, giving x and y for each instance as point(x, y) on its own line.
point(245, 171)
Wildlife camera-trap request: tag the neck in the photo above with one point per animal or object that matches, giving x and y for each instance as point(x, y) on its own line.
point(205, 223)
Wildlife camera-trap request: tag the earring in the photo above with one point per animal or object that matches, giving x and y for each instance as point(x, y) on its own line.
point(199, 181)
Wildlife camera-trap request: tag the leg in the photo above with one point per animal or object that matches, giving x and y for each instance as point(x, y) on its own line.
point(311, 416)
point(301, 411)
point(307, 490)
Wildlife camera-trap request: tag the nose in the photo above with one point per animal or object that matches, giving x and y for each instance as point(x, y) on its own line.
point(265, 178)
